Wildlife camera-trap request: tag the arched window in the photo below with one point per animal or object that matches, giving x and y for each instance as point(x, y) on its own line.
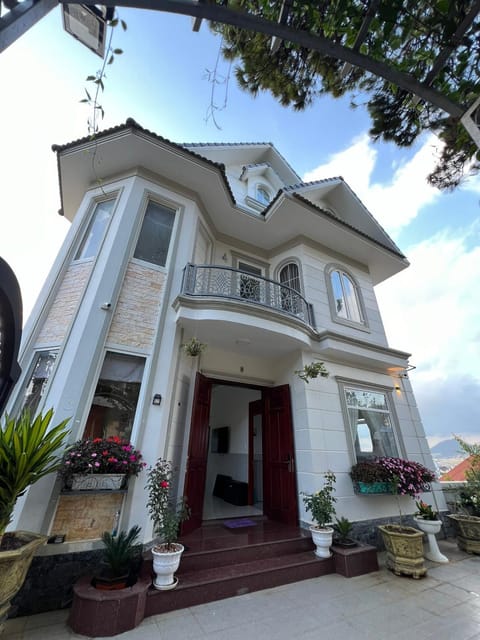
point(289, 276)
point(345, 297)
point(262, 194)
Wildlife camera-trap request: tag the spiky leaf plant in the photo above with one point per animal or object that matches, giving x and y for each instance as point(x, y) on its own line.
point(120, 550)
point(28, 452)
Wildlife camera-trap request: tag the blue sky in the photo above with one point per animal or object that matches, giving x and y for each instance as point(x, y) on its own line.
point(431, 310)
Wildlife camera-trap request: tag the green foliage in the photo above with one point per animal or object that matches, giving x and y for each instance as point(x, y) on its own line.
point(166, 513)
point(121, 550)
point(425, 511)
point(194, 347)
point(28, 451)
point(311, 371)
point(408, 36)
point(321, 503)
point(469, 496)
point(343, 527)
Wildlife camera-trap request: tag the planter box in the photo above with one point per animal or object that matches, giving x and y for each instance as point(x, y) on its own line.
point(468, 532)
point(368, 488)
point(98, 481)
point(404, 547)
point(355, 561)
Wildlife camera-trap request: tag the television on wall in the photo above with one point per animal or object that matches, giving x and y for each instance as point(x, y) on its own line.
point(220, 439)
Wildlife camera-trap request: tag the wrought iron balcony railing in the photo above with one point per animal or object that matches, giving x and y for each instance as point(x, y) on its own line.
point(234, 284)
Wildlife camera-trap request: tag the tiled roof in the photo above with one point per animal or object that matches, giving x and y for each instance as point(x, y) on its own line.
point(457, 474)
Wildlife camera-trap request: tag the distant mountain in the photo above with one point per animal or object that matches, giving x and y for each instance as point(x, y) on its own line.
point(447, 449)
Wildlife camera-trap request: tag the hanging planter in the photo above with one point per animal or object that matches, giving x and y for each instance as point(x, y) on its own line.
point(312, 371)
point(193, 347)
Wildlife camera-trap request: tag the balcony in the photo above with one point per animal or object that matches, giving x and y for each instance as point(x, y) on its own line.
point(226, 283)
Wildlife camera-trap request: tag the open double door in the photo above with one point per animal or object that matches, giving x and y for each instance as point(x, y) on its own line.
point(279, 478)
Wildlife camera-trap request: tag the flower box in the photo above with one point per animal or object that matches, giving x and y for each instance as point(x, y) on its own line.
point(98, 481)
point(369, 488)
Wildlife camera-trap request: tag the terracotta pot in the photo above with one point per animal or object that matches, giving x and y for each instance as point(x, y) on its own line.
point(404, 547)
point(165, 563)
point(14, 566)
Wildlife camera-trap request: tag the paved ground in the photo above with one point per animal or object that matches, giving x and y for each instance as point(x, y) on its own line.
point(444, 605)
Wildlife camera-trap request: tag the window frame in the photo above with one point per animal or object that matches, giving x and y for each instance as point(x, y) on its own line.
point(329, 270)
point(88, 223)
point(285, 263)
point(387, 392)
point(21, 400)
point(155, 199)
point(260, 186)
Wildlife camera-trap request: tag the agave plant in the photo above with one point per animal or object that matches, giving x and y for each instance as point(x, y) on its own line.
point(28, 452)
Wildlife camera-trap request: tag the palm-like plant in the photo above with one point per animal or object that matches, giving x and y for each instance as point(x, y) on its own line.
point(121, 550)
point(28, 452)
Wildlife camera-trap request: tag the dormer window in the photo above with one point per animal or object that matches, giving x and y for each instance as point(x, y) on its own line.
point(263, 195)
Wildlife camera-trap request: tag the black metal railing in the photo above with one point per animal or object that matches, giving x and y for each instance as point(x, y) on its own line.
point(234, 284)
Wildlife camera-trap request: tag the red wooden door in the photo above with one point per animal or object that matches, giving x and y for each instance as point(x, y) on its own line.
point(197, 453)
point(279, 478)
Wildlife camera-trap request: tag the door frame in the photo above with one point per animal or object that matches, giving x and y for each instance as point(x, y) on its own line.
point(265, 390)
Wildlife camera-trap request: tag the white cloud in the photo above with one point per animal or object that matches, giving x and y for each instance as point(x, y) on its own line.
point(396, 203)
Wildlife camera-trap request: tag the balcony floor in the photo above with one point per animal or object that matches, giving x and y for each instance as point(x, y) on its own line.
point(443, 605)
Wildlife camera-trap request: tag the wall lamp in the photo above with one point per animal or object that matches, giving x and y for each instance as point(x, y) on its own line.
point(157, 399)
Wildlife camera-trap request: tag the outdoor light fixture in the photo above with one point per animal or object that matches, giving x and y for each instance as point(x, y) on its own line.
point(157, 399)
point(397, 387)
point(87, 23)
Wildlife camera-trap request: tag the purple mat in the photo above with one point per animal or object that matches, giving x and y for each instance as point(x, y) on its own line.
point(239, 523)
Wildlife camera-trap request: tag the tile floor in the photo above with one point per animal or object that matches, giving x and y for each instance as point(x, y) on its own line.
point(445, 605)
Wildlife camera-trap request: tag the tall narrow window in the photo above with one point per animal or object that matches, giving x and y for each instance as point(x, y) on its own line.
point(35, 390)
point(345, 297)
point(116, 396)
point(251, 288)
point(370, 423)
point(290, 277)
point(262, 194)
point(154, 239)
point(96, 230)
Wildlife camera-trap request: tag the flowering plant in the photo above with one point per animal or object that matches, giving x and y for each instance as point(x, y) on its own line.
point(321, 503)
point(425, 511)
point(101, 455)
point(166, 513)
point(406, 477)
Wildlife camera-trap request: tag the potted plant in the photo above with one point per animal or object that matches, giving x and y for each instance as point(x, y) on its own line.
point(321, 505)
point(397, 476)
point(343, 527)
point(428, 521)
point(100, 463)
point(193, 347)
point(467, 520)
point(28, 452)
point(120, 562)
point(312, 371)
point(167, 514)
point(404, 544)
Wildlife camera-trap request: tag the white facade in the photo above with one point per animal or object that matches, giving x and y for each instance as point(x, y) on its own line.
point(242, 213)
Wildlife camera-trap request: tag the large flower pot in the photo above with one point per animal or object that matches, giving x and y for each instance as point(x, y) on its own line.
point(322, 539)
point(14, 566)
point(165, 563)
point(468, 532)
point(404, 547)
point(431, 527)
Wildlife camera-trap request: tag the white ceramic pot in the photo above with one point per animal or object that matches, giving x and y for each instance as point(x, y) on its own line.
point(165, 563)
point(322, 539)
point(431, 527)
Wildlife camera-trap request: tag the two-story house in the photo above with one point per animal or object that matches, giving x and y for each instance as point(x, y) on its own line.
point(224, 243)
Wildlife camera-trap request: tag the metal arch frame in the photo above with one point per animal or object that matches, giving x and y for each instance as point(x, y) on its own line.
point(22, 16)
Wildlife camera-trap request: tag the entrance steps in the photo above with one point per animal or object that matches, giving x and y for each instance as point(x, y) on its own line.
point(220, 563)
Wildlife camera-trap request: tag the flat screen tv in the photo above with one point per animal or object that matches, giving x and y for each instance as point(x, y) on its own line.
point(220, 439)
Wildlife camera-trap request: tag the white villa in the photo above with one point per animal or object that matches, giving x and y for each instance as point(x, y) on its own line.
point(223, 243)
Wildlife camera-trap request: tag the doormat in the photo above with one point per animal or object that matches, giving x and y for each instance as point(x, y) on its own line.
point(239, 523)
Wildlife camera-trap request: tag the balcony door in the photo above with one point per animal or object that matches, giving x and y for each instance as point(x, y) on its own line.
point(250, 287)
